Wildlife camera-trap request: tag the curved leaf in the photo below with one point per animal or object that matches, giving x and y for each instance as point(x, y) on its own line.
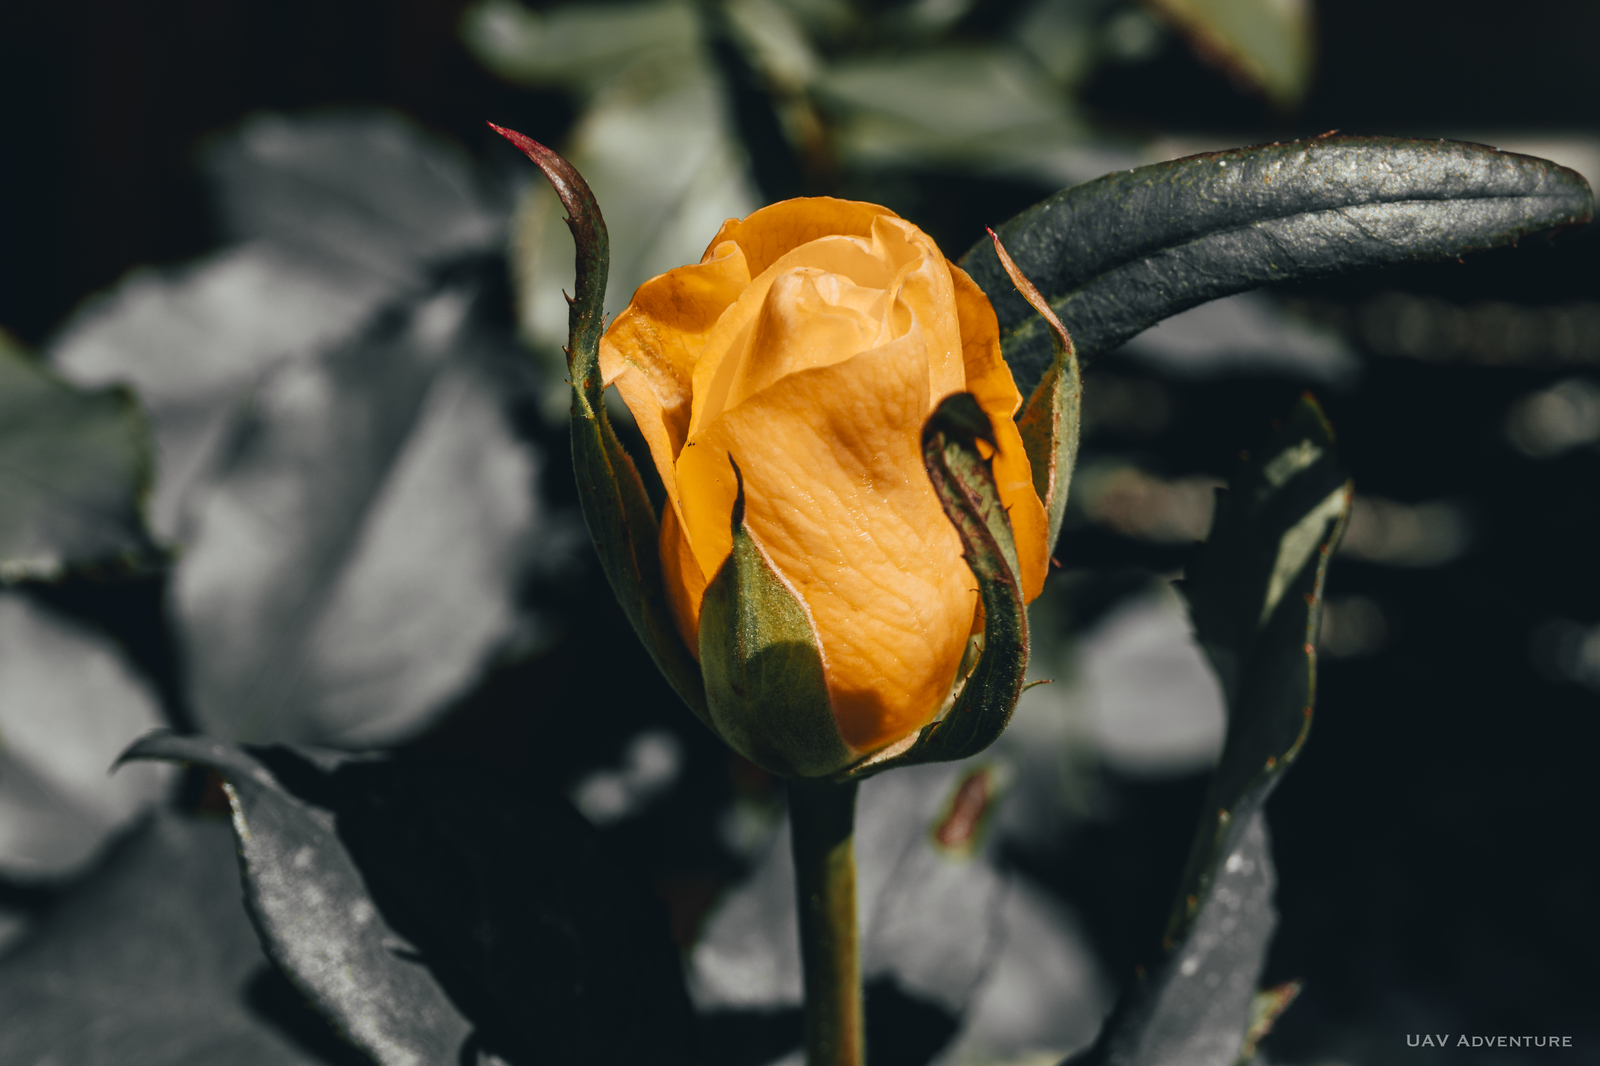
point(316, 918)
point(1255, 595)
point(621, 520)
point(765, 687)
point(151, 959)
point(1120, 253)
point(964, 482)
point(438, 914)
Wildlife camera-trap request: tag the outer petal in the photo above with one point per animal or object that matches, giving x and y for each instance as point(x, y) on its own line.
point(989, 379)
point(836, 490)
point(685, 581)
point(651, 348)
point(772, 232)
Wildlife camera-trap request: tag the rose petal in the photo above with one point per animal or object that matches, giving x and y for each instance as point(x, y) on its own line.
point(772, 232)
point(810, 318)
point(650, 350)
point(836, 491)
point(895, 256)
point(685, 581)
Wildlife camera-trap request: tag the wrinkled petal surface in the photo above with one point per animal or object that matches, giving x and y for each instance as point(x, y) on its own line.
point(809, 346)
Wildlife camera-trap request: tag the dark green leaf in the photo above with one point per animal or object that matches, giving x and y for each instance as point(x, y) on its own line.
point(429, 909)
point(317, 919)
point(1255, 595)
point(75, 467)
point(152, 960)
point(621, 520)
point(1195, 1008)
point(964, 482)
point(1120, 253)
point(763, 665)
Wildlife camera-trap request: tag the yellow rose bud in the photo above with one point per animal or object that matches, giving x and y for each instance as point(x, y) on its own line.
point(809, 346)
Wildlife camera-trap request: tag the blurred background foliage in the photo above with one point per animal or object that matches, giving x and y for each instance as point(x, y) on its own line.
point(268, 279)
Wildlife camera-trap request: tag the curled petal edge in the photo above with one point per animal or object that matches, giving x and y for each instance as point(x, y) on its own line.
point(1050, 419)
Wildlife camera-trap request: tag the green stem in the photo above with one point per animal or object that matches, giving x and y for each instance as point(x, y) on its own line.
point(822, 815)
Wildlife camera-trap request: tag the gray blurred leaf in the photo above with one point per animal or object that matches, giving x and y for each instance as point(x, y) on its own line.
point(1151, 703)
point(937, 916)
point(581, 46)
point(340, 214)
point(988, 109)
point(438, 914)
point(356, 552)
point(1043, 995)
point(928, 912)
point(362, 190)
point(74, 470)
point(1059, 35)
point(69, 704)
point(654, 141)
point(1266, 43)
point(774, 39)
point(1247, 333)
point(355, 519)
point(191, 340)
point(151, 962)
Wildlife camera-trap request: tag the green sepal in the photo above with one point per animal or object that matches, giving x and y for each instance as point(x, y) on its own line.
point(1254, 591)
point(1049, 423)
point(963, 479)
point(765, 687)
point(621, 520)
point(1050, 419)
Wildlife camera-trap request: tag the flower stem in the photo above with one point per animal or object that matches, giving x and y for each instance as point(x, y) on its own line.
point(822, 815)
